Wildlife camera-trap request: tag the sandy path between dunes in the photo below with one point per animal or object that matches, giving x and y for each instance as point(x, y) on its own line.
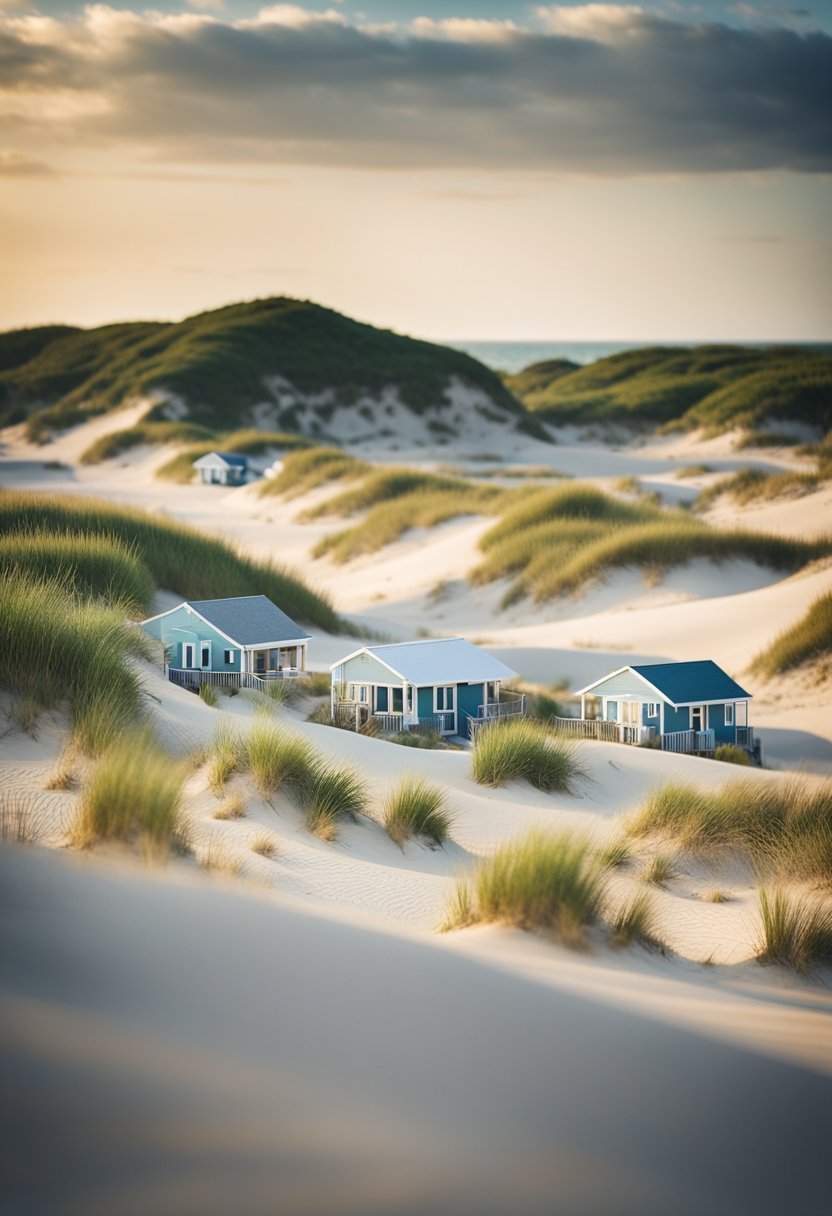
point(206, 1050)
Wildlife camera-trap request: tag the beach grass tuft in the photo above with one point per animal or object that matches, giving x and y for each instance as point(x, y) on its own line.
point(208, 695)
point(635, 922)
point(807, 641)
point(523, 750)
point(134, 794)
point(541, 881)
point(234, 807)
point(330, 794)
point(264, 844)
point(274, 756)
point(782, 826)
point(796, 931)
point(416, 808)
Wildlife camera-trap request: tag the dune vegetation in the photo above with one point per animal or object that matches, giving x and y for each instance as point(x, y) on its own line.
point(807, 641)
point(249, 442)
point(755, 485)
point(713, 387)
point(556, 541)
point(305, 471)
point(782, 828)
point(524, 750)
point(415, 807)
point(92, 563)
point(134, 795)
point(397, 501)
point(222, 363)
point(150, 434)
point(539, 882)
point(177, 557)
point(796, 931)
point(59, 648)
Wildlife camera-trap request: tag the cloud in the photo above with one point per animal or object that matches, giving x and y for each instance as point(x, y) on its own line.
point(601, 89)
point(17, 164)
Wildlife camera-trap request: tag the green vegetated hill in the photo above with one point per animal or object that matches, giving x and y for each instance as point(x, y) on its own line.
point(716, 387)
point(221, 362)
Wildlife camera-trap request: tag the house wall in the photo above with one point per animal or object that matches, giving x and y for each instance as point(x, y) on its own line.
point(181, 626)
point(364, 669)
point(676, 719)
point(425, 702)
point(469, 697)
point(625, 684)
point(653, 720)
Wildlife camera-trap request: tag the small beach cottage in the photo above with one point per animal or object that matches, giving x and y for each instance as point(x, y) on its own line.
point(692, 707)
point(222, 469)
point(445, 685)
point(238, 642)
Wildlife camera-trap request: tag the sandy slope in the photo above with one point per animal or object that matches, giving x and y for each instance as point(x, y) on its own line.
point(207, 1052)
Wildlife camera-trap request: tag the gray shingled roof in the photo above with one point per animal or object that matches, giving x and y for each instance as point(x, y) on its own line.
point(443, 660)
point(249, 620)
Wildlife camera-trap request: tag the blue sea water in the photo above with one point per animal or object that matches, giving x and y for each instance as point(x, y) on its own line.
point(514, 356)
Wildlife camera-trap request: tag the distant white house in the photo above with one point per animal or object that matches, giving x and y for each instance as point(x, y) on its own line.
point(447, 685)
point(222, 469)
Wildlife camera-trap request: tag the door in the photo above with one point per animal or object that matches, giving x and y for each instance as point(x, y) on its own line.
point(444, 704)
point(698, 718)
point(630, 713)
point(205, 656)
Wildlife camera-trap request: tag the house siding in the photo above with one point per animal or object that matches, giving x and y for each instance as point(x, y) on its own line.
point(424, 702)
point(625, 684)
point(469, 697)
point(364, 669)
point(180, 627)
point(676, 719)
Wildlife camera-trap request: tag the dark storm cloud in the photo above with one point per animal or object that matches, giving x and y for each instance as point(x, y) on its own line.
point(601, 90)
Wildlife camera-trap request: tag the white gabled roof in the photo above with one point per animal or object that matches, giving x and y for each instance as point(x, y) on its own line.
point(445, 661)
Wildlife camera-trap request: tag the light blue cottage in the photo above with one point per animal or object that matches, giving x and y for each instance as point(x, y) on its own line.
point(225, 641)
point(440, 684)
point(693, 706)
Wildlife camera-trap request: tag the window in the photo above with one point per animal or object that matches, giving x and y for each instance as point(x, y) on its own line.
point(362, 693)
point(729, 715)
point(490, 693)
point(205, 655)
point(228, 657)
point(444, 698)
point(652, 709)
point(188, 654)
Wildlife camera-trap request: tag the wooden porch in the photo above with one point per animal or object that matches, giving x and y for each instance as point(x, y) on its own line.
point(193, 677)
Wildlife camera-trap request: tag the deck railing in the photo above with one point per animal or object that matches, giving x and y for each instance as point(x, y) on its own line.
point(193, 677)
point(588, 728)
point(689, 741)
point(508, 708)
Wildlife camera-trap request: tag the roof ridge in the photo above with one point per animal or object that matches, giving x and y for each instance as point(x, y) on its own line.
point(418, 642)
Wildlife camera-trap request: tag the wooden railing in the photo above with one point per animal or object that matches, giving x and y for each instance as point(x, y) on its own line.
point(193, 677)
point(588, 728)
point(689, 741)
point(503, 709)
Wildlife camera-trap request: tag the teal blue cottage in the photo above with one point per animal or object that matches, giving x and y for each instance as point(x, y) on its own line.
point(444, 684)
point(691, 707)
point(242, 641)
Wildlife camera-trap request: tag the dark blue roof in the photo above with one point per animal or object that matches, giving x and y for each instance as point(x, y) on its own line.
point(230, 458)
point(249, 620)
point(701, 680)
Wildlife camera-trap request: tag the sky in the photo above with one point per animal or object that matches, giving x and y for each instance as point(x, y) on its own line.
point(458, 169)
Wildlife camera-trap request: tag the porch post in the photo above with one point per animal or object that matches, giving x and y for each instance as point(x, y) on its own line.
point(405, 717)
point(332, 696)
point(583, 706)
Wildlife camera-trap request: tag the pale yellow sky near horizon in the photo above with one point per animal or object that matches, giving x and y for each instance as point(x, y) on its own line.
point(603, 172)
point(438, 254)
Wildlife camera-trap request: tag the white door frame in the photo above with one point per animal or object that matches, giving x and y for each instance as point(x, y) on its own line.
point(210, 646)
point(703, 710)
point(189, 655)
point(437, 710)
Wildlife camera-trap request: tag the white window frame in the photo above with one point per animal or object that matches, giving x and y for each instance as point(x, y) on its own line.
point(703, 710)
point(189, 655)
point(729, 715)
point(228, 657)
point(652, 709)
point(362, 694)
point(202, 646)
point(444, 689)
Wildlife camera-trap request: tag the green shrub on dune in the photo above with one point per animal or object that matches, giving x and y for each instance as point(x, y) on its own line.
point(523, 750)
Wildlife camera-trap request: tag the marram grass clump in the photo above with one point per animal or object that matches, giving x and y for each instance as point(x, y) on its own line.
point(274, 757)
point(542, 881)
point(134, 795)
point(523, 750)
point(809, 640)
point(416, 808)
point(781, 826)
point(329, 795)
point(796, 932)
